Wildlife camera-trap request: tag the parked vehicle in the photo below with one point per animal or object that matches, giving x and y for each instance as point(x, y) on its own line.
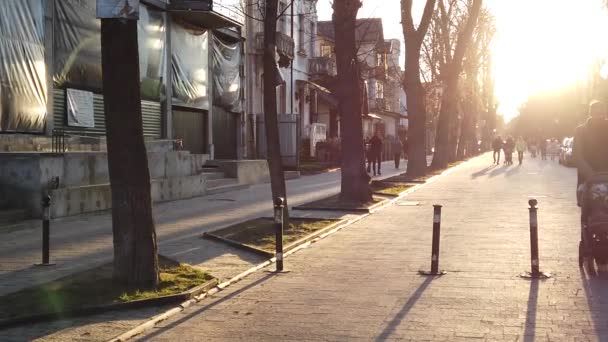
point(565, 153)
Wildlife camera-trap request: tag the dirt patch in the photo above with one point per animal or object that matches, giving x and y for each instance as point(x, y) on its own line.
point(260, 233)
point(335, 203)
point(390, 188)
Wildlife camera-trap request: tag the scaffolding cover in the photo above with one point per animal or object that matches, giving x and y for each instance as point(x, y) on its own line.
point(77, 44)
point(226, 75)
point(22, 69)
point(190, 65)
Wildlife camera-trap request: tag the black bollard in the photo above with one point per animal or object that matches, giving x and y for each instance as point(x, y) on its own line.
point(46, 227)
point(535, 272)
point(435, 248)
point(279, 206)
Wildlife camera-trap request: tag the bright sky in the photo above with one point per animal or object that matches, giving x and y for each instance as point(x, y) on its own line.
point(541, 45)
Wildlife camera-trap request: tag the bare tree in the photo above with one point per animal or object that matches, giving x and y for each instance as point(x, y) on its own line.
point(473, 84)
point(412, 85)
point(457, 23)
point(135, 249)
point(355, 180)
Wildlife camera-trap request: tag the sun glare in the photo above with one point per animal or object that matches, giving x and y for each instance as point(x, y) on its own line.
point(543, 46)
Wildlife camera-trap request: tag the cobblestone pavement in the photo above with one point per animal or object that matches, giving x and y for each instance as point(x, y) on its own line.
point(362, 283)
point(83, 242)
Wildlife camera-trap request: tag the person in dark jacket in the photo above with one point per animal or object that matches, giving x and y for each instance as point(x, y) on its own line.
point(590, 143)
point(496, 147)
point(376, 153)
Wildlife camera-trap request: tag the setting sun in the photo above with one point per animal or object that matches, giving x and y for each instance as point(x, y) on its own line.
point(543, 46)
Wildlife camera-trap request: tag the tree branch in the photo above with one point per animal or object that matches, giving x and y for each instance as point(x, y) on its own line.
point(425, 21)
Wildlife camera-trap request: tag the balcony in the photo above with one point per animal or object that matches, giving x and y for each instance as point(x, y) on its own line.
point(285, 45)
point(319, 67)
point(208, 13)
point(380, 104)
point(380, 72)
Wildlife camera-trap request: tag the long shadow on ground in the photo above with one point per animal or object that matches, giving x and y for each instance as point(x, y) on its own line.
point(596, 290)
point(400, 316)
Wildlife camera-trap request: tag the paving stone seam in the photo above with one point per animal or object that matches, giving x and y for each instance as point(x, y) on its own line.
point(152, 322)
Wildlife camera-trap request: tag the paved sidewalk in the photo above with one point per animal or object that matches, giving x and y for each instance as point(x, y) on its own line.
point(361, 284)
point(83, 242)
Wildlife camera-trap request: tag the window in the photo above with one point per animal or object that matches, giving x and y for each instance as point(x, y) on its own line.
point(283, 12)
point(301, 31)
point(325, 50)
point(379, 90)
point(282, 99)
point(312, 38)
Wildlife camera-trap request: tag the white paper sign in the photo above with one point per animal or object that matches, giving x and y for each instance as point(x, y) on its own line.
point(121, 9)
point(80, 108)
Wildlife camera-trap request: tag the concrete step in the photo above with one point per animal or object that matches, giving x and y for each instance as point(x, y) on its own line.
point(213, 175)
point(214, 183)
point(11, 216)
point(226, 188)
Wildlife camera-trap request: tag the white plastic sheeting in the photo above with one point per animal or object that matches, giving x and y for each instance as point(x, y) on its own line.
point(190, 65)
point(77, 44)
point(226, 75)
point(22, 68)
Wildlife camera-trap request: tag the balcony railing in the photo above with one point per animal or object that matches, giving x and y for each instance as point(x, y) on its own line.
point(285, 45)
point(322, 66)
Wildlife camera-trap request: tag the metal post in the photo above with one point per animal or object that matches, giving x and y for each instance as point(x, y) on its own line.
point(435, 247)
point(535, 272)
point(534, 237)
point(46, 216)
point(279, 205)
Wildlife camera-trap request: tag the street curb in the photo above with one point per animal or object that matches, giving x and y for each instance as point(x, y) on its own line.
point(353, 210)
point(151, 323)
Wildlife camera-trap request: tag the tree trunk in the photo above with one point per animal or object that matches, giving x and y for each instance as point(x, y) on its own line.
point(463, 138)
point(355, 180)
point(271, 122)
point(414, 92)
point(443, 153)
point(135, 249)
point(416, 110)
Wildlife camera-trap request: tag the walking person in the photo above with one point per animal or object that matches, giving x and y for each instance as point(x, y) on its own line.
point(508, 148)
point(520, 146)
point(533, 148)
point(397, 147)
point(376, 153)
point(497, 146)
point(554, 149)
point(543, 149)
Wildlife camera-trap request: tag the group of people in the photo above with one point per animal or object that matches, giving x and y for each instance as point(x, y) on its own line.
point(508, 146)
point(545, 146)
point(374, 149)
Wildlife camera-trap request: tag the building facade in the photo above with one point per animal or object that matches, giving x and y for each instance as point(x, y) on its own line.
point(190, 61)
point(296, 32)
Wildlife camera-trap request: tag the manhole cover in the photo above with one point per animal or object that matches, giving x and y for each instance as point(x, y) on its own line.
point(222, 200)
point(408, 203)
